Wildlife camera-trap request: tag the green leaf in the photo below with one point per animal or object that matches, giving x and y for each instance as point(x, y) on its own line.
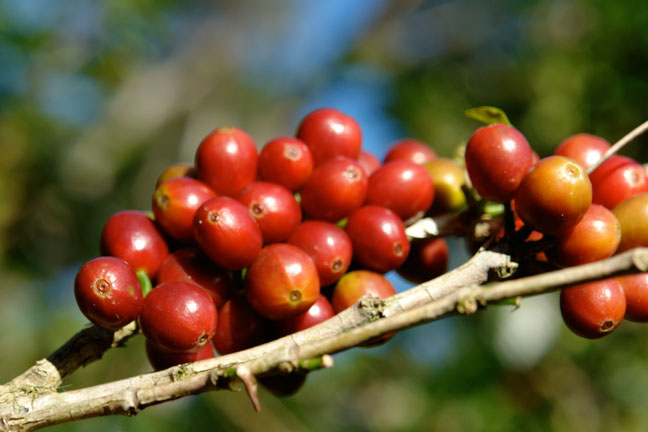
point(488, 115)
point(145, 282)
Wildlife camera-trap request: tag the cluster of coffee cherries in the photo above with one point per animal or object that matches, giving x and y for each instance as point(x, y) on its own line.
point(586, 217)
point(246, 246)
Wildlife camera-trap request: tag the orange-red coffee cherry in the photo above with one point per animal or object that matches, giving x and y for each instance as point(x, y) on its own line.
point(635, 288)
point(594, 238)
point(329, 133)
point(355, 284)
point(160, 359)
point(226, 160)
point(554, 195)
point(328, 245)
point(412, 150)
point(593, 309)
point(286, 161)
point(584, 148)
point(369, 162)
point(227, 233)
point(427, 259)
point(178, 317)
point(132, 236)
point(378, 238)
point(402, 186)
point(108, 292)
point(174, 204)
point(633, 218)
point(336, 189)
point(320, 311)
point(282, 282)
point(497, 157)
point(617, 179)
point(174, 171)
point(273, 207)
point(192, 266)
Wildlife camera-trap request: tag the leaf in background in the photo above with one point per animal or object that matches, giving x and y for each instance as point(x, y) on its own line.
point(488, 115)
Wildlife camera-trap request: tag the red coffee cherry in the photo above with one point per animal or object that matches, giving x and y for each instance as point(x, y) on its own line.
point(412, 150)
point(227, 233)
point(226, 160)
point(497, 157)
point(586, 149)
point(192, 266)
point(132, 236)
point(239, 327)
point(282, 282)
point(336, 189)
point(554, 195)
point(617, 179)
point(174, 204)
point(593, 309)
point(635, 288)
point(108, 292)
point(286, 161)
point(175, 171)
point(319, 312)
point(178, 317)
point(355, 284)
point(369, 162)
point(329, 133)
point(378, 238)
point(403, 187)
point(632, 214)
point(448, 177)
point(427, 259)
point(594, 238)
point(274, 208)
point(283, 385)
point(328, 246)
point(160, 359)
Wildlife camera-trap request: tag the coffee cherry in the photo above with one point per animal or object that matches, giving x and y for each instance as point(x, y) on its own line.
point(282, 282)
point(160, 359)
point(369, 162)
point(355, 284)
point(378, 238)
point(447, 178)
point(286, 161)
point(632, 214)
point(226, 160)
point(412, 150)
point(554, 195)
point(174, 204)
point(594, 238)
point(497, 157)
point(108, 292)
point(329, 133)
point(175, 171)
point(178, 317)
point(283, 385)
point(319, 312)
point(273, 207)
point(227, 233)
point(192, 266)
point(617, 179)
point(635, 288)
point(593, 309)
point(427, 259)
point(132, 236)
point(403, 187)
point(239, 327)
point(586, 149)
point(336, 189)
point(328, 246)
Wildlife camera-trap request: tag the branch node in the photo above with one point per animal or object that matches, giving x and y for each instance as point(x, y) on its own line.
point(467, 305)
point(251, 386)
point(640, 259)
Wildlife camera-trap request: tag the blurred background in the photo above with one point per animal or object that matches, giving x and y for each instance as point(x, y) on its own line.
point(97, 98)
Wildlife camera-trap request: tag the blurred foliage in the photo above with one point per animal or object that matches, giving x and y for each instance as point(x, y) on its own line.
point(97, 98)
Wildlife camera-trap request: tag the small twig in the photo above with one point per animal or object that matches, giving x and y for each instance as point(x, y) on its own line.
point(619, 145)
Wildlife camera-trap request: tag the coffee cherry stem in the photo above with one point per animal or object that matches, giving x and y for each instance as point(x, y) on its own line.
point(145, 282)
point(620, 144)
